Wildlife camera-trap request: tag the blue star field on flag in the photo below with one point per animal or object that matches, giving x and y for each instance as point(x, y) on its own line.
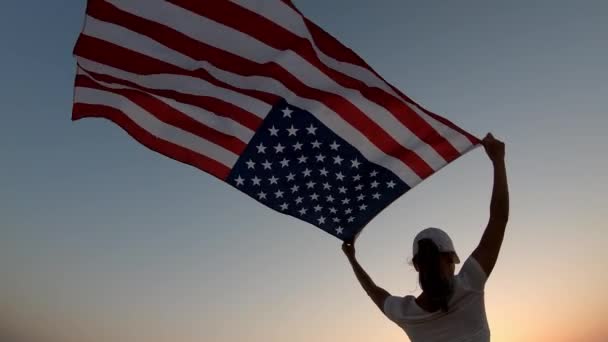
point(296, 165)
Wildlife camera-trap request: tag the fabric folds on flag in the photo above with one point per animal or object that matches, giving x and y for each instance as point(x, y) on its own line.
point(257, 95)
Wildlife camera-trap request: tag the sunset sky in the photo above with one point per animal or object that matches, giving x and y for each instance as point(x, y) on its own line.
point(104, 240)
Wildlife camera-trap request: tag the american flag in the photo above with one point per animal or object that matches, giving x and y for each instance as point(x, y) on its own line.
point(257, 95)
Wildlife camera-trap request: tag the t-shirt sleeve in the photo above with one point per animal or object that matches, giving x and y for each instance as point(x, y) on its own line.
point(393, 307)
point(472, 275)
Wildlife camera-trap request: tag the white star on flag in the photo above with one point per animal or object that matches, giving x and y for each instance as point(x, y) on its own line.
point(311, 130)
point(279, 148)
point(239, 181)
point(273, 131)
point(261, 148)
point(287, 112)
point(292, 131)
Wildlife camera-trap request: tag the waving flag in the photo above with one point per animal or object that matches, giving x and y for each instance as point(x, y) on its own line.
point(257, 95)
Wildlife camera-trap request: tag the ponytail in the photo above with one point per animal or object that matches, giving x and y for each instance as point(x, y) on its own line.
point(431, 281)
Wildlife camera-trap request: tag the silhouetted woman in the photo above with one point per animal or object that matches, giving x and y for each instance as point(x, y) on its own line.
point(451, 307)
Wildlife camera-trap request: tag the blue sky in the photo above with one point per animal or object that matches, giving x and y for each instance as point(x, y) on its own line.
point(103, 234)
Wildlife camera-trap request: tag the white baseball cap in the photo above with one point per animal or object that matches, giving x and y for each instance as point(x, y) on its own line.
point(440, 238)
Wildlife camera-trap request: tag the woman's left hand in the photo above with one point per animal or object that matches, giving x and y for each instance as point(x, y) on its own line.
point(349, 249)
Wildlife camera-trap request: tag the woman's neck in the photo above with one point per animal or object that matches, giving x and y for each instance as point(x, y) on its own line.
point(425, 303)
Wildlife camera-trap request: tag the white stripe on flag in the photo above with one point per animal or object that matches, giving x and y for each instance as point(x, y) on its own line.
point(461, 143)
point(154, 126)
point(219, 123)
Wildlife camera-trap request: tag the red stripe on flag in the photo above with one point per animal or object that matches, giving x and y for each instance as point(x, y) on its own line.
point(171, 150)
point(255, 25)
point(169, 115)
point(114, 55)
point(94, 49)
point(474, 140)
point(211, 104)
point(333, 48)
point(290, 4)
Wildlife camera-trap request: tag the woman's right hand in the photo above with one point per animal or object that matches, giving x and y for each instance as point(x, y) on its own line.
point(494, 148)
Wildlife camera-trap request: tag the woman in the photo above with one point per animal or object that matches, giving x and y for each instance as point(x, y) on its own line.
point(451, 307)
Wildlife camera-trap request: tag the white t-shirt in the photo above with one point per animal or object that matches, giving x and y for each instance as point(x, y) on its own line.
point(465, 320)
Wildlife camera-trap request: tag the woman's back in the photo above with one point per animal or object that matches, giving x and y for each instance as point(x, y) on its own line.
point(466, 317)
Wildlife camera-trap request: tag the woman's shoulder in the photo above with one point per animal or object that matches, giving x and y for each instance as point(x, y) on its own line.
point(397, 307)
point(471, 275)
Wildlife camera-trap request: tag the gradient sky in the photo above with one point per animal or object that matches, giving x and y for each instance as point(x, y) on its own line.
point(104, 240)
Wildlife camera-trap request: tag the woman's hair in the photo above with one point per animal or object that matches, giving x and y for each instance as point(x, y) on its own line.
point(428, 260)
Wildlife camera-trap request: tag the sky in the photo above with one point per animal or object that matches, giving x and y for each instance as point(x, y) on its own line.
point(102, 239)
